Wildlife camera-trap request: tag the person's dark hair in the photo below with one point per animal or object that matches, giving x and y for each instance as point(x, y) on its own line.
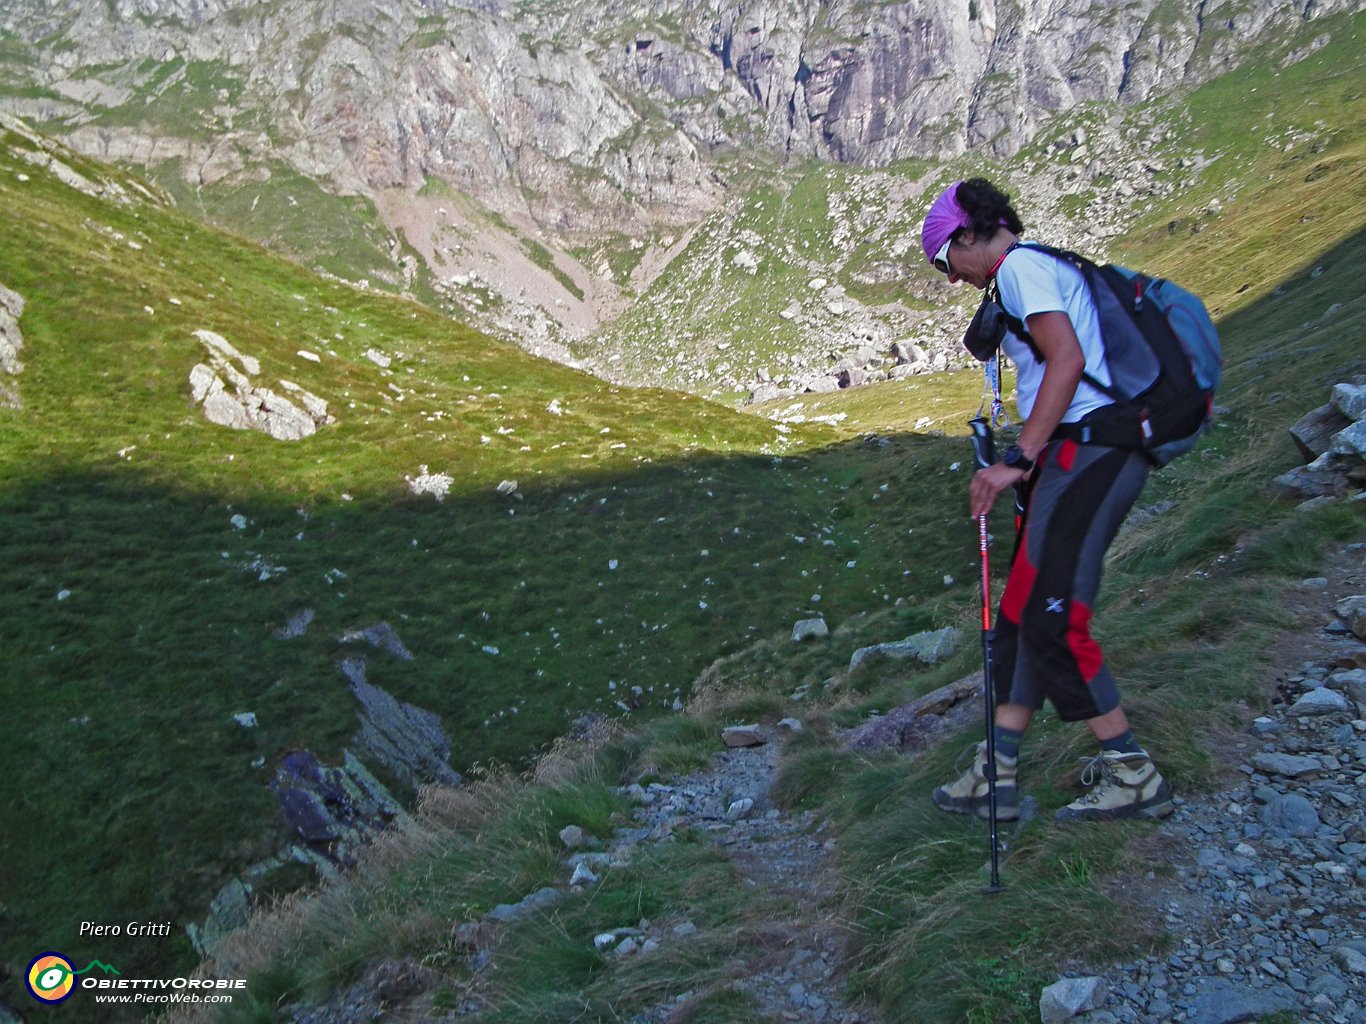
point(988, 207)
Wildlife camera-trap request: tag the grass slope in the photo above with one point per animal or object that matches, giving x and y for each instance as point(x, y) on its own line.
point(1190, 616)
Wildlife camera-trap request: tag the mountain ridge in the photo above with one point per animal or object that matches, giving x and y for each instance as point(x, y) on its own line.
point(577, 137)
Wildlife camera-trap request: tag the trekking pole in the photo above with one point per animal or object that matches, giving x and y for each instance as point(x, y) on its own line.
point(984, 449)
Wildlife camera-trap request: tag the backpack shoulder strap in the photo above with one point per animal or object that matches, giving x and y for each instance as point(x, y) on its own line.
point(1088, 271)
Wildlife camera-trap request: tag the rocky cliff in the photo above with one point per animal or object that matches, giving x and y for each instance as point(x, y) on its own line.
point(500, 142)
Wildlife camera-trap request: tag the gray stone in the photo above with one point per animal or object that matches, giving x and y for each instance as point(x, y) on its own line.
point(1313, 432)
point(572, 837)
point(381, 636)
point(1320, 701)
point(227, 912)
point(1350, 440)
point(929, 648)
point(1293, 813)
point(810, 629)
point(541, 899)
point(1350, 400)
point(1352, 683)
point(407, 739)
point(1216, 1001)
point(742, 736)
point(1329, 985)
point(1355, 617)
point(1289, 765)
point(1306, 482)
point(1351, 960)
point(740, 808)
point(924, 720)
point(582, 876)
point(297, 624)
point(1064, 999)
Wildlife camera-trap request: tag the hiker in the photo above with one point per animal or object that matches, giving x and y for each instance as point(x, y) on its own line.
point(1075, 497)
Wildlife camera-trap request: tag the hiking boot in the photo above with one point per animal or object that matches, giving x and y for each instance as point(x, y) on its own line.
point(971, 795)
point(1121, 786)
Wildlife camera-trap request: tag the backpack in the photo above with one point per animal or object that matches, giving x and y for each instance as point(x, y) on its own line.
point(1163, 354)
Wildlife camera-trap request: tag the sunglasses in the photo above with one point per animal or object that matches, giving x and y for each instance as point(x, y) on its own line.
point(941, 258)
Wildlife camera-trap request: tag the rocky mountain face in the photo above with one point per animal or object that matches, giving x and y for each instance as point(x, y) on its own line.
point(515, 151)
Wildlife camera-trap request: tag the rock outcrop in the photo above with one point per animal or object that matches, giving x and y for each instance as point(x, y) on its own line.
point(223, 387)
point(11, 342)
point(505, 144)
point(1332, 440)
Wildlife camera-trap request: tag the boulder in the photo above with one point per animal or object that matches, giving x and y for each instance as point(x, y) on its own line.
point(224, 390)
point(1352, 611)
point(810, 629)
point(1350, 400)
point(1068, 997)
point(1350, 440)
point(408, 740)
point(333, 808)
point(1292, 813)
point(929, 648)
point(742, 736)
point(1313, 432)
point(924, 720)
point(1319, 702)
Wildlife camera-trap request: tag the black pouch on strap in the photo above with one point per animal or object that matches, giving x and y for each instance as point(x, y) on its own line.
point(988, 327)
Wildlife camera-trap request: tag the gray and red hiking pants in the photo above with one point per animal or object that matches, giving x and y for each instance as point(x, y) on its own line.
point(1042, 645)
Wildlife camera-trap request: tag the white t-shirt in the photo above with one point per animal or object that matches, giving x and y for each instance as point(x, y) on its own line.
point(1034, 282)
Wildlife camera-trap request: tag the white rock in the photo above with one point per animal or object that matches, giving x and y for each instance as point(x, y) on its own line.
point(1064, 999)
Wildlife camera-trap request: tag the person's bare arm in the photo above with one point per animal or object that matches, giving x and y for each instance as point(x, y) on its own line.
point(1064, 365)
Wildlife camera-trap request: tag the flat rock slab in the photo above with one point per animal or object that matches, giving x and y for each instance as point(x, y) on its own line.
point(742, 736)
point(1292, 766)
point(1222, 1002)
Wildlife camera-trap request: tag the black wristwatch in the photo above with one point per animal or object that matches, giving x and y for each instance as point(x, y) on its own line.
point(1017, 459)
